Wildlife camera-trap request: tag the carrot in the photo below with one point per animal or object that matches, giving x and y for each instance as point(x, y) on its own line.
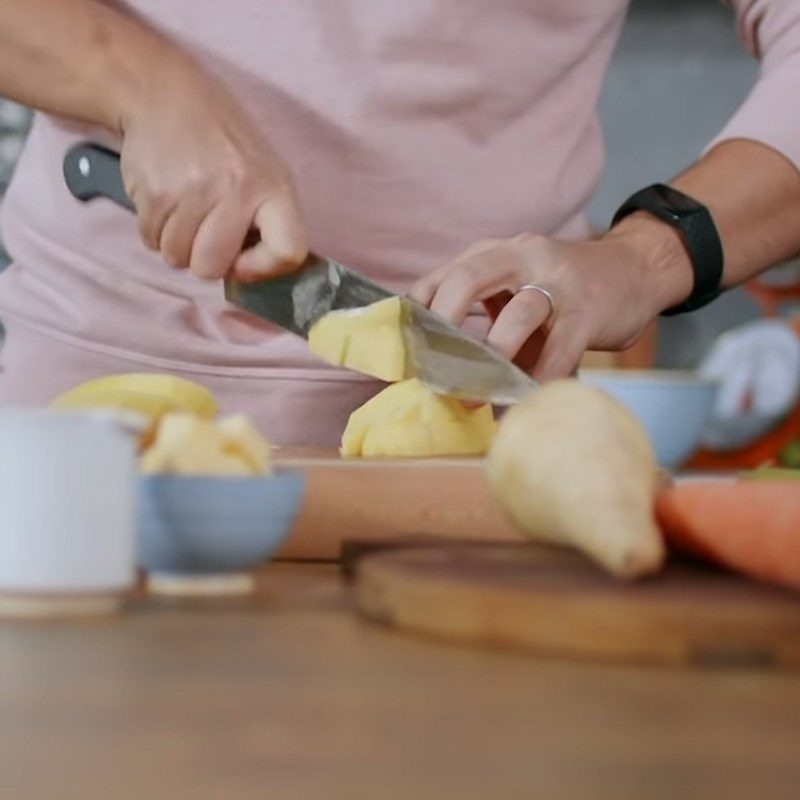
point(751, 527)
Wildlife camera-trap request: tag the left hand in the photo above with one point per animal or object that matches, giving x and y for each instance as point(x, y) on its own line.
point(606, 291)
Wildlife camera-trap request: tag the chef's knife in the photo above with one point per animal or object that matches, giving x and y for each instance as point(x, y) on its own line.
point(439, 354)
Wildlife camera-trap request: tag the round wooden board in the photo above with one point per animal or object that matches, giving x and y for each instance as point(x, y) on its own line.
point(555, 602)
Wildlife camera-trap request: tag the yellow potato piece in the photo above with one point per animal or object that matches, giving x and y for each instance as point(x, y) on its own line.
point(408, 420)
point(186, 445)
point(367, 339)
point(242, 439)
point(126, 390)
point(172, 431)
point(206, 455)
point(151, 407)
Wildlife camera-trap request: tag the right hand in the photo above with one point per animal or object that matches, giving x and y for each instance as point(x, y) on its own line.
point(202, 176)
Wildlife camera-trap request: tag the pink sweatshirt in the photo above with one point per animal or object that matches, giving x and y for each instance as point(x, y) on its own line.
point(413, 127)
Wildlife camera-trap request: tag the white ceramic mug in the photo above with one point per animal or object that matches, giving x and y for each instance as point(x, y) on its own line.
point(67, 512)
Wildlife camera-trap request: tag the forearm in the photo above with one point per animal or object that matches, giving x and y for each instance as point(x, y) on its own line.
point(753, 193)
point(79, 59)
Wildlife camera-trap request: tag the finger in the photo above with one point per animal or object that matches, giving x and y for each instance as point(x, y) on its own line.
point(180, 230)
point(496, 303)
point(152, 212)
point(522, 316)
point(425, 289)
point(284, 241)
point(218, 240)
point(467, 283)
point(562, 352)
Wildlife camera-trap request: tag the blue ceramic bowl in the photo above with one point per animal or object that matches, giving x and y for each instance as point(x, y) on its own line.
point(197, 526)
point(674, 406)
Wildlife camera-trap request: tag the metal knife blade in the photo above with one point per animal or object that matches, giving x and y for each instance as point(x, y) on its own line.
point(439, 354)
point(449, 362)
point(297, 301)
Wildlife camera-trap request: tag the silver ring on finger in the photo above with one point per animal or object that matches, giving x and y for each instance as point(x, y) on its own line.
point(551, 301)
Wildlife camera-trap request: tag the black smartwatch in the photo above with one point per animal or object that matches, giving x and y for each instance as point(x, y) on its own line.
point(700, 236)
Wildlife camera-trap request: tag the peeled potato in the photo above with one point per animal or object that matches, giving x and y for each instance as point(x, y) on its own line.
point(151, 407)
point(573, 466)
point(406, 419)
point(151, 394)
point(173, 430)
point(187, 445)
point(367, 339)
point(242, 438)
point(409, 420)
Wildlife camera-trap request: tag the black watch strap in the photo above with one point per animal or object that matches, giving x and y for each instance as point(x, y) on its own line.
point(700, 236)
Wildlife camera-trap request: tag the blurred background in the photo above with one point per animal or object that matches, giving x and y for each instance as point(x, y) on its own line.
point(678, 74)
point(14, 123)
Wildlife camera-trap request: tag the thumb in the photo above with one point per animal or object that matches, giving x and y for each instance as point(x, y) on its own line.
point(284, 240)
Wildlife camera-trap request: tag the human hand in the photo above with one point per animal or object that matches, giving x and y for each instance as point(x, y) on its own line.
point(606, 291)
point(203, 177)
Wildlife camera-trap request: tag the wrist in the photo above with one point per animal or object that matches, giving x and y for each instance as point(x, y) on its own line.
point(659, 256)
point(150, 69)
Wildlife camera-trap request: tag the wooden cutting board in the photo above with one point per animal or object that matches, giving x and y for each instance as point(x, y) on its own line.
point(555, 602)
point(384, 499)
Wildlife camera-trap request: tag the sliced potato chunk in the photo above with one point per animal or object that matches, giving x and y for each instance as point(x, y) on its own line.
point(368, 340)
point(186, 445)
point(409, 420)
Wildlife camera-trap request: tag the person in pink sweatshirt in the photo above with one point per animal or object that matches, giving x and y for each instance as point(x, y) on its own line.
point(446, 148)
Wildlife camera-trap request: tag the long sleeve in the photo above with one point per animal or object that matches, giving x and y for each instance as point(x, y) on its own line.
point(770, 29)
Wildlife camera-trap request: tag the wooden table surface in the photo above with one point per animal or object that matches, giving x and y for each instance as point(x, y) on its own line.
point(294, 697)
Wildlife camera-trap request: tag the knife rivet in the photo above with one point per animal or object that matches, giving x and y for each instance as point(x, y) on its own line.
point(84, 166)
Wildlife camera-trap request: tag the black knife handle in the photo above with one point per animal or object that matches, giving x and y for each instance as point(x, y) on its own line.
point(91, 170)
